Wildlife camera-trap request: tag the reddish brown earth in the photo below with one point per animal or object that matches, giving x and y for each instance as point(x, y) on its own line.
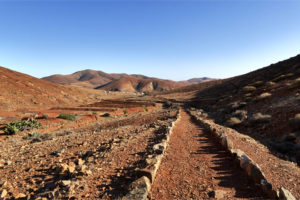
point(195, 165)
point(85, 114)
point(110, 148)
point(87, 78)
point(106, 151)
point(120, 82)
point(21, 91)
point(225, 99)
point(133, 84)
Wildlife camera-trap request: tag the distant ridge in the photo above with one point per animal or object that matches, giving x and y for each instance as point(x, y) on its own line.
point(134, 84)
point(87, 78)
point(120, 82)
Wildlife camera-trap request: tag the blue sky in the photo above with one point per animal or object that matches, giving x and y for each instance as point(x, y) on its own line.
point(166, 39)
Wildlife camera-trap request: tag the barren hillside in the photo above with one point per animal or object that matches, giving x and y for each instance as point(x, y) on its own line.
point(197, 80)
point(20, 91)
point(120, 82)
point(264, 104)
point(133, 84)
point(88, 78)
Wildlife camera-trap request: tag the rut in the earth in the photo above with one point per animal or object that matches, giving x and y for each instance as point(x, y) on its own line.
point(196, 167)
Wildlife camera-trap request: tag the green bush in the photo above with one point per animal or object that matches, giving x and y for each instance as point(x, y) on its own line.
point(145, 108)
point(16, 126)
point(67, 116)
point(125, 111)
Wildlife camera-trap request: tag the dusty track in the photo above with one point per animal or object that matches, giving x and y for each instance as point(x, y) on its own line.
point(195, 165)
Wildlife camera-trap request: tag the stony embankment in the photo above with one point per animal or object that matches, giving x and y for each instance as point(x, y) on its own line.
point(278, 178)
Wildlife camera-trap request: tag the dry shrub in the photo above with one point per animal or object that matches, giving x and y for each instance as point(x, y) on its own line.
point(257, 84)
point(270, 83)
point(282, 77)
point(233, 121)
point(264, 95)
point(249, 88)
point(259, 117)
point(294, 123)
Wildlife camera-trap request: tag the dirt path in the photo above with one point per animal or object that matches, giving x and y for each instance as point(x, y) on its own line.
point(195, 165)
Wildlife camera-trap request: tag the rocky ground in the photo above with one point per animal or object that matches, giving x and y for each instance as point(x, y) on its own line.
point(98, 156)
point(95, 161)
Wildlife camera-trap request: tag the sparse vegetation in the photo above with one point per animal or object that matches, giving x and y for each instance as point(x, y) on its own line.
point(257, 84)
point(270, 83)
point(259, 117)
point(233, 121)
point(248, 95)
point(264, 95)
point(296, 83)
point(45, 116)
point(240, 114)
point(249, 88)
point(282, 77)
point(65, 116)
point(16, 126)
point(294, 123)
point(36, 137)
point(31, 136)
point(237, 105)
point(125, 111)
point(145, 108)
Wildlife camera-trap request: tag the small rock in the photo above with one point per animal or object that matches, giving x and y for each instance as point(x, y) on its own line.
point(58, 152)
point(66, 183)
point(90, 159)
point(80, 162)
point(82, 169)
point(20, 195)
point(72, 167)
point(8, 162)
point(218, 194)
point(62, 168)
point(3, 193)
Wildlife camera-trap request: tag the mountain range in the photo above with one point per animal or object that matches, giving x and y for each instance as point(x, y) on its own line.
point(120, 82)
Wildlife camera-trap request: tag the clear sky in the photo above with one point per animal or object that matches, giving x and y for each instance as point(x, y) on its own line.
point(166, 39)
